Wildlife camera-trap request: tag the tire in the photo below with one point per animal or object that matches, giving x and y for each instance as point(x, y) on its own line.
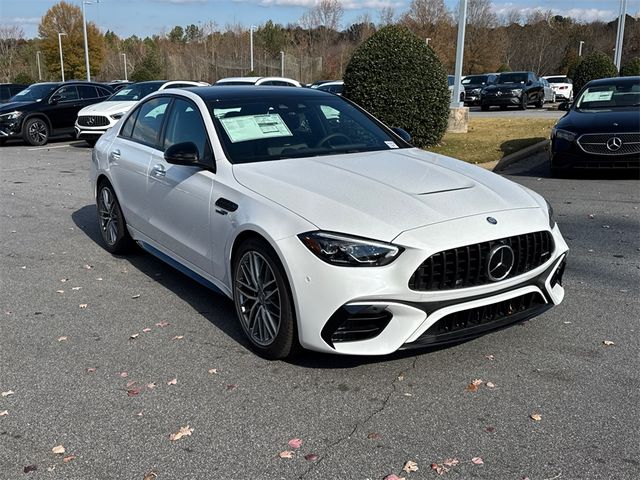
point(2, 142)
point(263, 300)
point(540, 102)
point(91, 141)
point(35, 132)
point(503, 107)
point(113, 227)
point(524, 101)
point(484, 108)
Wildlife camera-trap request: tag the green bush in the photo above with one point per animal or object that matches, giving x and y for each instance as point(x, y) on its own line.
point(150, 68)
point(397, 78)
point(593, 66)
point(23, 77)
point(631, 68)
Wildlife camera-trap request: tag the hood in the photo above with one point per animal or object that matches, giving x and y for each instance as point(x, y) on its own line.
point(12, 106)
point(473, 86)
point(107, 108)
point(601, 121)
point(378, 195)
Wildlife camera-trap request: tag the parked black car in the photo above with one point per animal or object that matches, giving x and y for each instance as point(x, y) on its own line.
point(601, 129)
point(473, 85)
point(8, 90)
point(517, 89)
point(46, 109)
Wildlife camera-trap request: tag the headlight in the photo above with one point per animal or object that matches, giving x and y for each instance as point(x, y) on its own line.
point(476, 91)
point(563, 134)
point(11, 115)
point(552, 220)
point(117, 116)
point(347, 251)
point(516, 91)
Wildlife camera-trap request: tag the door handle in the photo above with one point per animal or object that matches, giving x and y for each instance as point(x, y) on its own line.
point(158, 171)
point(115, 155)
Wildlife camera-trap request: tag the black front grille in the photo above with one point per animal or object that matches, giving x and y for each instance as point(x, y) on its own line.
point(483, 317)
point(93, 121)
point(466, 266)
point(596, 143)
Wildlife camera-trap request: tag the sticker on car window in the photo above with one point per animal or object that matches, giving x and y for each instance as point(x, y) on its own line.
point(597, 96)
point(391, 144)
point(255, 127)
point(123, 92)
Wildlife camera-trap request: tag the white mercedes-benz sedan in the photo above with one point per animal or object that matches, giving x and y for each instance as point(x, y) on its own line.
point(327, 229)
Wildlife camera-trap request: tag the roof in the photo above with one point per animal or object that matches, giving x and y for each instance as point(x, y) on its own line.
point(618, 80)
point(215, 93)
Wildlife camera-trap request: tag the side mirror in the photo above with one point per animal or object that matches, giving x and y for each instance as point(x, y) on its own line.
point(55, 99)
point(565, 106)
point(182, 154)
point(402, 133)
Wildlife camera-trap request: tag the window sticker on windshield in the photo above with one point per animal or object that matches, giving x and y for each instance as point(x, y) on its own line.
point(597, 96)
point(255, 127)
point(391, 144)
point(125, 91)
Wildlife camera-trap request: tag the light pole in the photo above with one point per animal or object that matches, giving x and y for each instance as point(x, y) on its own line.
point(620, 35)
point(84, 31)
point(426, 40)
point(281, 63)
point(251, 45)
point(61, 60)
point(124, 59)
point(580, 48)
point(462, 21)
point(38, 61)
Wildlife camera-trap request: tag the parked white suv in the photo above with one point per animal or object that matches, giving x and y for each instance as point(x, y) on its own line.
point(561, 85)
point(267, 81)
point(96, 119)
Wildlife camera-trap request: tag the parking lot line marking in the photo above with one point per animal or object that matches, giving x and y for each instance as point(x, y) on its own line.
point(48, 148)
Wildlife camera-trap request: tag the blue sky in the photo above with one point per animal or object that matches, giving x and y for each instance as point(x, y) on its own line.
point(148, 17)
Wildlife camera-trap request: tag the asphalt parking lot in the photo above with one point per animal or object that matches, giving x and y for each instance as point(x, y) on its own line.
point(108, 356)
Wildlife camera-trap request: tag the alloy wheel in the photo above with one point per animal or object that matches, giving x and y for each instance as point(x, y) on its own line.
point(258, 298)
point(108, 213)
point(37, 132)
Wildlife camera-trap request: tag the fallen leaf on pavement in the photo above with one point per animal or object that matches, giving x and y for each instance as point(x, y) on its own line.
point(231, 387)
point(410, 466)
point(451, 462)
point(178, 337)
point(393, 476)
point(133, 392)
point(30, 468)
point(76, 288)
point(4, 413)
point(7, 393)
point(472, 388)
point(373, 436)
point(90, 369)
point(608, 343)
point(183, 432)
point(139, 414)
point(490, 429)
point(131, 383)
point(477, 461)
point(150, 476)
point(295, 443)
point(146, 330)
point(123, 374)
point(137, 295)
point(58, 450)
point(536, 416)
point(151, 386)
point(213, 370)
point(491, 385)
point(172, 381)
point(59, 291)
point(400, 377)
point(162, 324)
point(68, 458)
point(440, 469)
point(83, 306)
point(62, 339)
point(489, 357)
point(286, 454)
point(134, 336)
point(477, 382)
point(88, 267)
point(64, 280)
point(311, 457)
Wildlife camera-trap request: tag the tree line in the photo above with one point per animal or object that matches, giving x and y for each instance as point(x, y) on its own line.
point(317, 46)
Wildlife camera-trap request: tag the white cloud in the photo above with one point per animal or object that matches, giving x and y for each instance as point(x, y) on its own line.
point(579, 14)
point(23, 20)
point(181, 2)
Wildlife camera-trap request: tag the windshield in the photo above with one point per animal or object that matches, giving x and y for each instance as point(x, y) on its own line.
point(265, 129)
point(135, 92)
point(475, 80)
point(450, 79)
point(558, 80)
point(610, 96)
point(512, 78)
point(34, 93)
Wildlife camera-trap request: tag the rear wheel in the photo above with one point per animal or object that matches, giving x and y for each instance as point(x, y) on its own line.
point(540, 102)
point(263, 300)
point(35, 132)
point(113, 227)
point(524, 101)
point(484, 108)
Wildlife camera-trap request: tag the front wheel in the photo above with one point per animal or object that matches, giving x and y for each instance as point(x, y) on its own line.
point(263, 300)
point(35, 132)
point(524, 101)
point(540, 102)
point(113, 227)
point(484, 108)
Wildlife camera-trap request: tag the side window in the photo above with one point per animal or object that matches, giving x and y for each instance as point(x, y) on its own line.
point(103, 92)
point(127, 128)
point(185, 125)
point(149, 121)
point(4, 93)
point(67, 93)
point(87, 92)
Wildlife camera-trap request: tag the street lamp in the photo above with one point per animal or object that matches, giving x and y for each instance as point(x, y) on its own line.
point(124, 59)
point(61, 60)
point(426, 40)
point(580, 48)
point(38, 62)
point(86, 45)
point(620, 34)
point(462, 21)
point(251, 44)
point(281, 63)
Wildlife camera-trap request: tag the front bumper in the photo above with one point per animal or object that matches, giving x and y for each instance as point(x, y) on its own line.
point(11, 128)
point(565, 155)
point(495, 100)
point(471, 99)
point(322, 291)
point(89, 132)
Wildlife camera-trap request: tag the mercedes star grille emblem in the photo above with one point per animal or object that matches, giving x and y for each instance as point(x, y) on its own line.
point(492, 220)
point(500, 262)
point(90, 121)
point(614, 143)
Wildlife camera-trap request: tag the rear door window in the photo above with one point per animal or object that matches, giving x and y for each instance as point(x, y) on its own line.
point(68, 93)
point(87, 92)
point(148, 124)
point(185, 124)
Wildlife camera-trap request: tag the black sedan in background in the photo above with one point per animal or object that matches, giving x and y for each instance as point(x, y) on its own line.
point(601, 129)
point(513, 89)
point(46, 109)
point(473, 85)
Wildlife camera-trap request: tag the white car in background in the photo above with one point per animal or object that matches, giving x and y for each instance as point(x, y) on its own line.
point(325, 227)
point(332, 87)
point(96, 119)
point(451, 80)
point(267, 81)
point(561, 85)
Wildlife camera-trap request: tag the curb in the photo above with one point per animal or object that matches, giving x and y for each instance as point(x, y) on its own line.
point(521, 154)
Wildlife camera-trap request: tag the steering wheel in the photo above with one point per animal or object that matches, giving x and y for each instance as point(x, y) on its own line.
point(326, 138)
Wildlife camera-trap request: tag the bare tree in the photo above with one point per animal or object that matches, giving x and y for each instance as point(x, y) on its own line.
point(10, 37)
